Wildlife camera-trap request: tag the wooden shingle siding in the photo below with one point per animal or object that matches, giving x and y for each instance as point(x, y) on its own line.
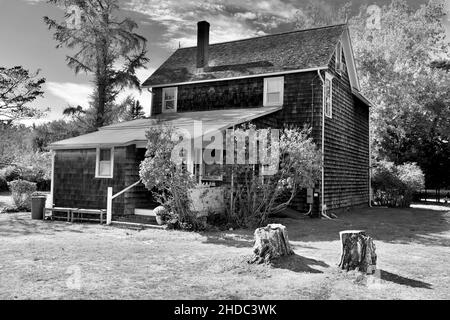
point(76, 185)
point(244, 93)
point(346, 147)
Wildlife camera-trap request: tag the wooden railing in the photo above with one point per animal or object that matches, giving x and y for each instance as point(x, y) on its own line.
point(111, 197)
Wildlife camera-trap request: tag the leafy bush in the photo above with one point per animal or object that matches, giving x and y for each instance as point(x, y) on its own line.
point(34, 167)
point(9, 209)
point(10, 173)
point(15, 141)
point(394, 185)
point(21, 193)
point(168, 181)
point(3, 184)
point(256, 197)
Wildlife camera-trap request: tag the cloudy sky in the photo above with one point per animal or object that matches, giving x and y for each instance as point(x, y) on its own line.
point(25, 40)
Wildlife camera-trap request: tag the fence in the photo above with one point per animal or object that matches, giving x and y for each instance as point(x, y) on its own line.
point(433, 195)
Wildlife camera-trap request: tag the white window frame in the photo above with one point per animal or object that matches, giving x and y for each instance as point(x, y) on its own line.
point(328, 112)
point(175, 101)
point(338, 60)
point(273, 104)
point(97, 163)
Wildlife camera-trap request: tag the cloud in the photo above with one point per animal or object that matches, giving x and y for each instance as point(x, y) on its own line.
point(246, 15)
point(230, 20)
point(34, 1)
point(73, 93)
point(79, 94)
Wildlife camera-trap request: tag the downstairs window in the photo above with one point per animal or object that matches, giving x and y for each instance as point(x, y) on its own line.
point(104, 163)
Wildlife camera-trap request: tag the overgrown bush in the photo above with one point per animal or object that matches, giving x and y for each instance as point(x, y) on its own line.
point(10, 173)
point(394, 185)
point(33, 167)
point(168, 181)
point(21, 191)
point(9, 209)
point(256, 197)
point(3, 184)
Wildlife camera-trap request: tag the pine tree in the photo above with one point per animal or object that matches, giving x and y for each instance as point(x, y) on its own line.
point(102, 41)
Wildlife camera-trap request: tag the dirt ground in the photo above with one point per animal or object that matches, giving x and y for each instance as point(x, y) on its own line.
point(58, 260)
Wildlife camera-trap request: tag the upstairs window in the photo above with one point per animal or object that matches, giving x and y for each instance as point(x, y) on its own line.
point(328, 95)
point(273, 91)
point(169, 102)
point(340, 65)
point(104, 163)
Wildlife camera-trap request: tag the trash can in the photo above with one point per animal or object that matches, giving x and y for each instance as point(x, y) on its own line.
point(37, 206)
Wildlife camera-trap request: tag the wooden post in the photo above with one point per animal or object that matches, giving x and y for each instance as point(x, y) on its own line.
point(52, 182)
point(109, 206)
point(358, 251)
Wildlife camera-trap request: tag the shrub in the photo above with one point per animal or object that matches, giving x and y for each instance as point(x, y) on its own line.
point(34, 167)
point(10, 173)
point(9, 209)
point(394, 185)
point(256, 197)
point(21, 193)
point(167, 180)
point(37, 168)
point(3, 184)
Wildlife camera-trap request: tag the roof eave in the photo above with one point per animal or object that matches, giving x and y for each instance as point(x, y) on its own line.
point(235, 78)
point(361, 97)
point(75, 146)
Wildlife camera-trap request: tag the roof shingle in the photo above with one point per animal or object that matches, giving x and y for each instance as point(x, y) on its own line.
point(294, 50)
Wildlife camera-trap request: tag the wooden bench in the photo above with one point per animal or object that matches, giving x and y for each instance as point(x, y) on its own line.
point(74, 214)
point(68, 211)
point(78, 215)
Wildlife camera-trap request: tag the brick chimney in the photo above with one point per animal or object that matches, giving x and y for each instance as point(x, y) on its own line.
point(202, 44)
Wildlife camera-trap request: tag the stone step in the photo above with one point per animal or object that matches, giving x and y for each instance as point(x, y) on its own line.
point(136, 226)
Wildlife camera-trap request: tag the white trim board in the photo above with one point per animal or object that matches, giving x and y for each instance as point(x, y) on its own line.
point(144, 212)
point(235, 78)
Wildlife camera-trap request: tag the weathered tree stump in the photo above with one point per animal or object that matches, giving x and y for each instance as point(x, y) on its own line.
point(358, 251)
point(271, 242)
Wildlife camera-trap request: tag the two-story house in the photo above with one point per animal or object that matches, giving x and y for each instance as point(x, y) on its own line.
point(294, 78)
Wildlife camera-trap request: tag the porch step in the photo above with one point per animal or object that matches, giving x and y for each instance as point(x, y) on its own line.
point(144, 212)
point(133, 218)
point(136, 226)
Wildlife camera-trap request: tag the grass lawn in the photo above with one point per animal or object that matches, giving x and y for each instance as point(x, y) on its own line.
point(37, 260)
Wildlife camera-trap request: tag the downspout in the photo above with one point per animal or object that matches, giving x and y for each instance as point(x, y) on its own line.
point(323, 146)
point(52, 182)
point(370, 173)
point(232, 180)
point(151, 104)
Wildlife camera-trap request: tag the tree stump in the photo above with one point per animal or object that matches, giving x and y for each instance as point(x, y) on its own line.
point(358, 251)
point(271, 242)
